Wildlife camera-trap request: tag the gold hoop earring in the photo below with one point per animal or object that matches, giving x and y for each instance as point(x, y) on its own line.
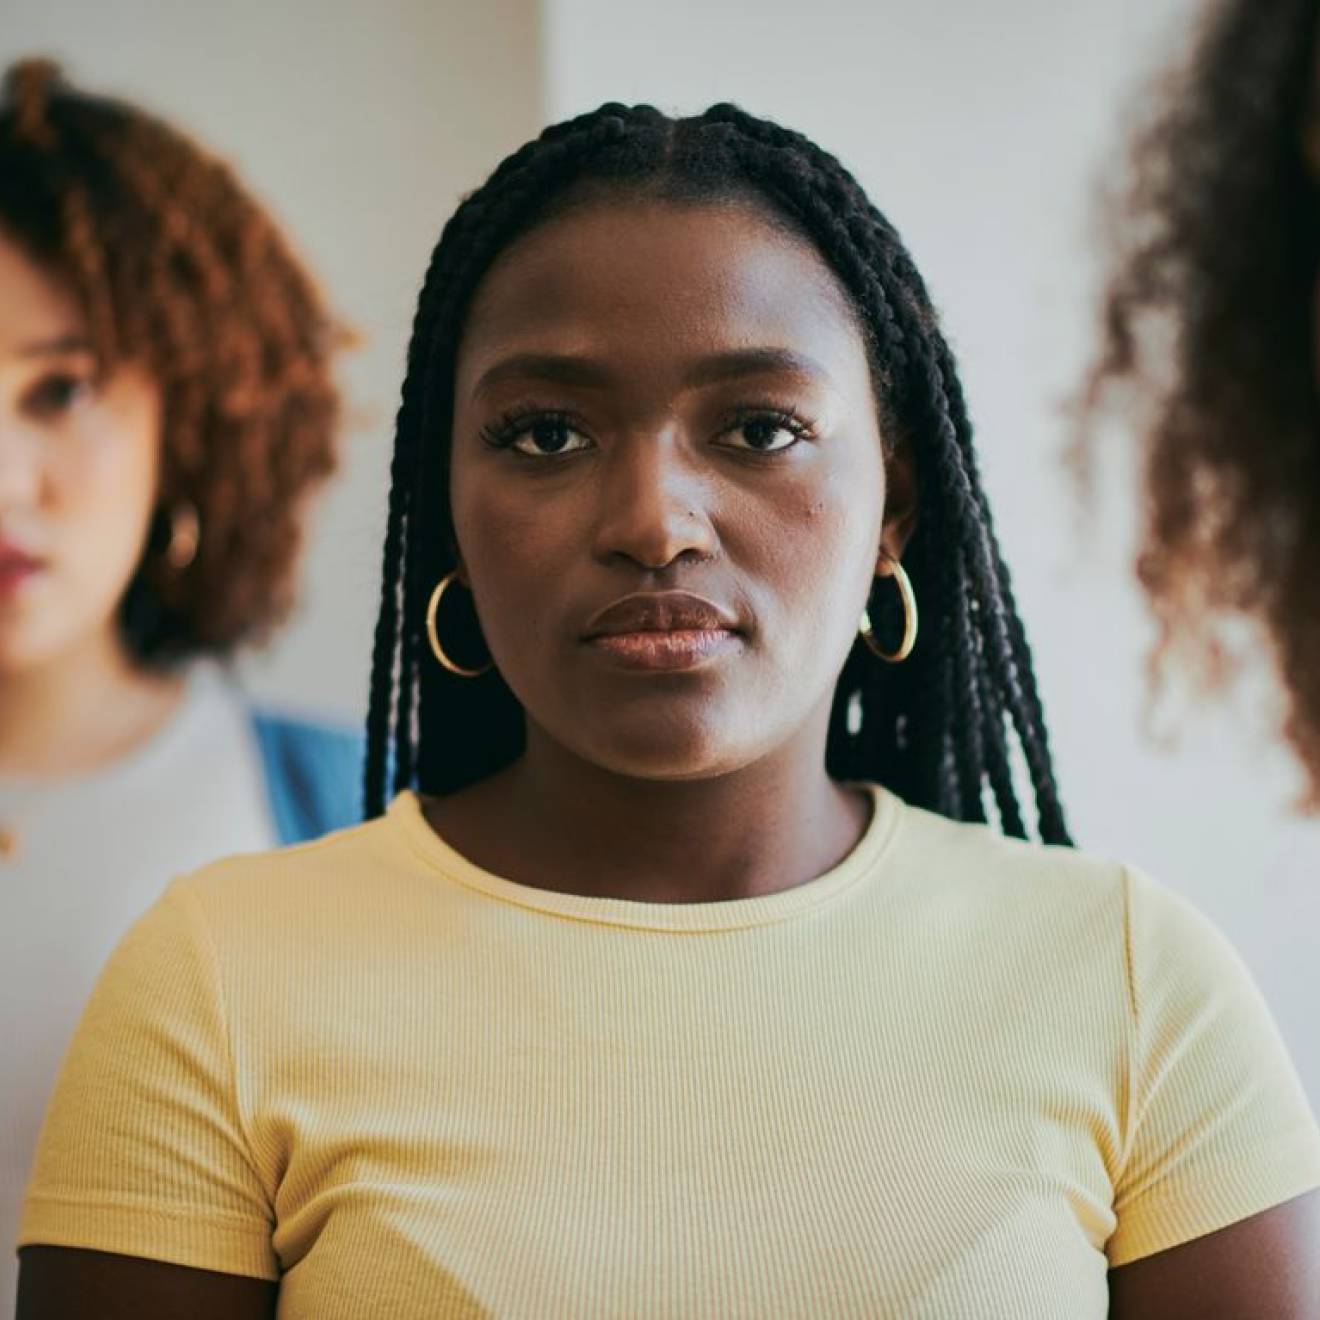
point(433, 634)
point(185, 536)
point(909, 599)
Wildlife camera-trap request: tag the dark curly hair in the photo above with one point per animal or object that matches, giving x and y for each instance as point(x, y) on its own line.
point(1209, 346)
point(174, 266)
point(941, 729)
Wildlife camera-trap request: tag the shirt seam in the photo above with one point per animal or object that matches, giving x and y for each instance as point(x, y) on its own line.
point(880, 846)
point(1132, 1026)
point(143, 1206)
point(1238, 1208)
point(1302, 1143)
point(197, 918)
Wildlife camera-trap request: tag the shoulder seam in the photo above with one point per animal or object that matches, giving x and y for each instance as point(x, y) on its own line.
point(1130, 1036)
point(197, 918)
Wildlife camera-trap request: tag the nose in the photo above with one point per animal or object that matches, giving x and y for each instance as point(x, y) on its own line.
point(653, 505)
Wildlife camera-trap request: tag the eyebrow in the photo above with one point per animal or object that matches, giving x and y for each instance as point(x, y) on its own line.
point(755, 362)
point(570, 369)
point(70, 343)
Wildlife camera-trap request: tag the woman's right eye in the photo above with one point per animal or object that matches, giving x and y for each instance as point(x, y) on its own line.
point(545, 436)
point(56, 393)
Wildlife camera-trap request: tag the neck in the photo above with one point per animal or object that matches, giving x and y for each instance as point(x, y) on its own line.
point(80, 711)
point(555, 822)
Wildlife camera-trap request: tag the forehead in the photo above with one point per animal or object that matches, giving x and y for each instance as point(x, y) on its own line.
point(658, 279)
point(33, 305)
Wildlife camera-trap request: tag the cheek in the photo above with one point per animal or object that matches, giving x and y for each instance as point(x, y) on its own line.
point(98, 491)
point(512, 547)
point(819, 547)
point(103, 490)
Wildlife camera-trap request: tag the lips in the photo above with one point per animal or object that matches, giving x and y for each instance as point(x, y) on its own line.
point(663, 631)
point(16, 566)
point(661, 612)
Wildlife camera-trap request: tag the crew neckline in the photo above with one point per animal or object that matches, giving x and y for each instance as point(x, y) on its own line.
point(406, 816)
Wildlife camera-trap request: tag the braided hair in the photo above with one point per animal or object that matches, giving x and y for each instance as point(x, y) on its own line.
point(938, 730)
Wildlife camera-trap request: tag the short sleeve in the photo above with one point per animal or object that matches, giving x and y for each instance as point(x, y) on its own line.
point(143, 1152)
point(1217, 1127)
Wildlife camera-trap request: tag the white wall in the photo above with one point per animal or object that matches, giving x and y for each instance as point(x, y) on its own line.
point(981, 129)
point(360, 124)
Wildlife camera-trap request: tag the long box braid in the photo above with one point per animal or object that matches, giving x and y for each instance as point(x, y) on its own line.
point(938, 730)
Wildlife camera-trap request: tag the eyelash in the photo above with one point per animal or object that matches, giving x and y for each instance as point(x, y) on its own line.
point(510, 426)
point(782, 418)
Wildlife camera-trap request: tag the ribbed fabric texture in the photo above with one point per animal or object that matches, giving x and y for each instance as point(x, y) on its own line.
point(956, 1076)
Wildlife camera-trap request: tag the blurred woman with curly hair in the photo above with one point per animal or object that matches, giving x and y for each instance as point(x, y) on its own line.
point(1210, 343)
point(166, 408)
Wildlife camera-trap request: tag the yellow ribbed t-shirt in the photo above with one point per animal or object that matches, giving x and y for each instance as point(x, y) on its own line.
point(956, 1076)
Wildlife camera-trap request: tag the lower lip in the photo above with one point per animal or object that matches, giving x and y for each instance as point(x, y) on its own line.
point(666, 650)
point(14, 576)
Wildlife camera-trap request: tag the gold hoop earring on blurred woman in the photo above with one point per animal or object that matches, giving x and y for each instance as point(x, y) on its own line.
point(909, 599)
point(185, 536)
point(433, 632)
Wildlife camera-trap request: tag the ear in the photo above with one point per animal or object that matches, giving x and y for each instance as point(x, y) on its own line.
point(901, 506)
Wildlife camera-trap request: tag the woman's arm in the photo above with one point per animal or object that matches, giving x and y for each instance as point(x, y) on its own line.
point(62, 1283)
point(1263, 1268)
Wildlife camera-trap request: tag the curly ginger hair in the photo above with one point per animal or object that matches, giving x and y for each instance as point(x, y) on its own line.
point(175, 267)
point(1210, 345)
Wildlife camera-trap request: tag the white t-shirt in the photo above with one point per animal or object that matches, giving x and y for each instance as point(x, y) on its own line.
point(194, 792)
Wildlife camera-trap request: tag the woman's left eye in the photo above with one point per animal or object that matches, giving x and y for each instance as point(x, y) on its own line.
point(765, 432)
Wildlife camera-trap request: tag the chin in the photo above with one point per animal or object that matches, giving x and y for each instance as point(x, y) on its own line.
point(23, 649)
point(671, 750)
point(33, 638)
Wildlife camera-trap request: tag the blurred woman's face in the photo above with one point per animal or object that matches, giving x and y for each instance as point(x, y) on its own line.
point(79, 457)
point(668, 483)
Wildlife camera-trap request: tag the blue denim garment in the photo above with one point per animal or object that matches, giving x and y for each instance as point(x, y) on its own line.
point(313, 775)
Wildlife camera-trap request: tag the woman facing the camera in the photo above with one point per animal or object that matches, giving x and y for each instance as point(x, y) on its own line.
point(166, 407)
point(683, 974)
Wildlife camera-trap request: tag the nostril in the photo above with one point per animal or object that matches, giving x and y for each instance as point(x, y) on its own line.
point(653, 528)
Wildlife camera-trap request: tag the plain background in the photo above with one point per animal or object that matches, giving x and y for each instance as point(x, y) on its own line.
point(984, 131)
